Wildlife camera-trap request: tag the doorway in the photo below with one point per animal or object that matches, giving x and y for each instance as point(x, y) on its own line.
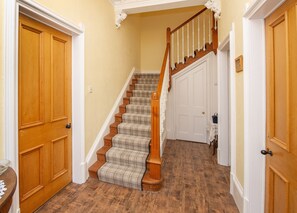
point(44, 106)
point(39, 12)
point(191, 104)
point(226, 103)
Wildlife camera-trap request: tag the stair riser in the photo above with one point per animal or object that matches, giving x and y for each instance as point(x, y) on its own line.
point(107, 142)
point(123, 163)
point(101, 158)
point(138, 110)
point(142, 93)
point(145, 87)
point(137, 121)
point(126, 101)
point(132, 87)
point(145, 133)
point(140, 102)
point(122, 109)
point(129, 93)
point(147, 81)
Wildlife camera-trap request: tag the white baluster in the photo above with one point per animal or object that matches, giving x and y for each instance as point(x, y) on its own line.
point(188, 39)
point(172, 51)
point(183, 45)
point(204, 32)
point(198, 33)
point(177, 46)
point(193, 38)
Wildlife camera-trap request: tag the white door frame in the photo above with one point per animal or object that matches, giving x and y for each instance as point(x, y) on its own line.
point(255, 102)
point(227, 142)
point(42, 14)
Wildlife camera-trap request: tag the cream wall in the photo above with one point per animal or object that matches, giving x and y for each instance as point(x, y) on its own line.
point(153, 34)
point(1, 82)
point(232, 12)
point(110, 55)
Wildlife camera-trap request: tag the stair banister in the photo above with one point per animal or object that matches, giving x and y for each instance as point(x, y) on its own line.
point(155, 155)
point(204, 37)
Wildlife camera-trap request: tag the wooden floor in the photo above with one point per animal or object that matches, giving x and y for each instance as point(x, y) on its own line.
point(193, 182)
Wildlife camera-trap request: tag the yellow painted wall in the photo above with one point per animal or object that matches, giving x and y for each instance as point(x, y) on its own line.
point(1, 82)
point(110, 55)
point(153, 34)
point(232, 12)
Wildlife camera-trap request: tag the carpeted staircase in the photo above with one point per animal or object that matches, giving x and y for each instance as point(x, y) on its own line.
point(130, 136)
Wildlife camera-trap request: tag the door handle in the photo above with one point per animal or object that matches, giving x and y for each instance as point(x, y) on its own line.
point(266, 152)
point(203, 113)
point(68, 126)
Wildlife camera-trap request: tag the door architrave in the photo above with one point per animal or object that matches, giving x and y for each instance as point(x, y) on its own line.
point(47, 17)
point(255, 102)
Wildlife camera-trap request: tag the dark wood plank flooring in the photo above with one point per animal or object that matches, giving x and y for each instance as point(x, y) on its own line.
point(193, 182)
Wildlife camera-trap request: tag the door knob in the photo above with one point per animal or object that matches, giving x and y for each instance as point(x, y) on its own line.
point(266, 152)
point(68, 126)
point(203, 113)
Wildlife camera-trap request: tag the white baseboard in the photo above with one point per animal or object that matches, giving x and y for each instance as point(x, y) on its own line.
point(237, 192)
point(99, 142)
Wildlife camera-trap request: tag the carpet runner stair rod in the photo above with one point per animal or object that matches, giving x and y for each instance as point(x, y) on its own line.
point(123, 158)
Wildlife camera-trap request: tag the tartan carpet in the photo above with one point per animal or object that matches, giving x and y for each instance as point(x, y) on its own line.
point(126, 159)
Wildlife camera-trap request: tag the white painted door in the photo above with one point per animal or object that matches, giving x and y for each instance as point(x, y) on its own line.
point(190, 103)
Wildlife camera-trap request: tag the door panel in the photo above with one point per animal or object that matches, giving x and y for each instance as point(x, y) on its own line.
point(59, 110)
point(31, 80)
point(281, 51)
point(190, 102)
point(44, 111)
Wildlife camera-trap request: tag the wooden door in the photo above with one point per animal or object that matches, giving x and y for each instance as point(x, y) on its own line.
point(44, 111)
point(190, 102)
point(281, 167)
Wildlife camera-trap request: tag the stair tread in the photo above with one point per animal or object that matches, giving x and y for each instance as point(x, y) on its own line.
point(132, 142)
point(138, 109)
point(126, 157)
point(135, 129)
point(126, 176)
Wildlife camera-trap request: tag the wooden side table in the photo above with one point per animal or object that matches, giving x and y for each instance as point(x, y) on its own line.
point(10, 181)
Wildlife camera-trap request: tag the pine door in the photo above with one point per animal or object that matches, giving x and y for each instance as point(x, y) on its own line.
point(44, 105)
point(281, 142)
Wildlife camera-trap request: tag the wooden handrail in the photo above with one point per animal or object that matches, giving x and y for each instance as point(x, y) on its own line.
point(155, 158)
point(190, 19)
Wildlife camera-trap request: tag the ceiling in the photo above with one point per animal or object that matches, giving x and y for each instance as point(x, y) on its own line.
point(140, 6)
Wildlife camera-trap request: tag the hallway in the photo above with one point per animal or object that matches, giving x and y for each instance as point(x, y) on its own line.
point(193, 182)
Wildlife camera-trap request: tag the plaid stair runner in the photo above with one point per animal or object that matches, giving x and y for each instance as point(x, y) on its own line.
point(126, 159)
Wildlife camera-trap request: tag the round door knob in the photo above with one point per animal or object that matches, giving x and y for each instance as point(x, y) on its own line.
point(266, 152)
point(68, 126)
point(203, 113)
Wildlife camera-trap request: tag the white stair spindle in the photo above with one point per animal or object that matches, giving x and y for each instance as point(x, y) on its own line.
point(177, 45)
point(188, 39)
point(198, 34)
point(172, 51)
point(204, 32)
point(183, 45)
point(193, 38)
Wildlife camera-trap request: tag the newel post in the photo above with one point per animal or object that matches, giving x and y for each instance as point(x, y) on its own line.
point(155, 159)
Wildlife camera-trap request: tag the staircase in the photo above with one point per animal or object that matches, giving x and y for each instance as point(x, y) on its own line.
point(132, 151)
point(123, 158)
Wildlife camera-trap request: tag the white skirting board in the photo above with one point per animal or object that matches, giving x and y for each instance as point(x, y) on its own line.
point(237, 192)
point(99, 141)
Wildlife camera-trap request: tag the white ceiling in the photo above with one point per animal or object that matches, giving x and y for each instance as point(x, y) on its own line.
point(140, 6)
